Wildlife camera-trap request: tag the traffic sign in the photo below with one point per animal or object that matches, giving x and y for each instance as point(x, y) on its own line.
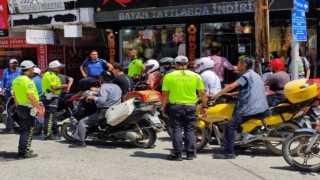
point(299, 25)
point(301, 5)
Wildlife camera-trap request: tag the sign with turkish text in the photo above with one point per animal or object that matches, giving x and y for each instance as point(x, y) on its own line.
point(26, 6)
point(299, 25)
point(3, 18)
point(177, 11)
point(301, 5)
point(15, 43)
point(115, 5)
point(42, 56)
point(55, 52)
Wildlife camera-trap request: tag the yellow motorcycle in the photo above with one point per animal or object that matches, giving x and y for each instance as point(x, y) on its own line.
point(269, 131)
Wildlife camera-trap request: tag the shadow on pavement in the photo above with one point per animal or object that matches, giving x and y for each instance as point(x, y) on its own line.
point(143, 154)
point(254, 152)
point(164, 139)
point(103, 144)
point(8, 156)
point(289, 168)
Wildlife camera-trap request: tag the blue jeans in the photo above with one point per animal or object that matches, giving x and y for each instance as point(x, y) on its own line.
point(230, 132)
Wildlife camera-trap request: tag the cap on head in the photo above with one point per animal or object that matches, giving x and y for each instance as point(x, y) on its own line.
point(27, 64)
point(181, 59)
point(13, 61)
point(56, 64)
point(118, 66)
point(37, 70)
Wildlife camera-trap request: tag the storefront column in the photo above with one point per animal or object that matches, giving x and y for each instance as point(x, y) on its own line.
point(193, 44)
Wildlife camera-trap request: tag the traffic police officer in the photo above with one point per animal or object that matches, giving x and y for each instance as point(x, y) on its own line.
point(180, 88)
point(27, 98)
point(52, 87)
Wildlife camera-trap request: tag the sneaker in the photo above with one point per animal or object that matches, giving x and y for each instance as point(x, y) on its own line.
point(224, 156)
point(191, 156)
point(52, 137)
point(78, 145)
point(174, 157)
point(26, 155)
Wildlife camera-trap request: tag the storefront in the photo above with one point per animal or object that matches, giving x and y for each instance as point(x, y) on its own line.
point(169, 28)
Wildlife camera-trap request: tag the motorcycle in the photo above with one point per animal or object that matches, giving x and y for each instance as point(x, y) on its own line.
point(269, 131)
point(138, 127)
point(301, 150)
point(65, 107)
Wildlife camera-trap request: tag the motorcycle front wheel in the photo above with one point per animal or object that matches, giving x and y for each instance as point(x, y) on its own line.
point(293, 152)
point(148, 138)
point(279, 131)
point(201, 138)
point(67, 132)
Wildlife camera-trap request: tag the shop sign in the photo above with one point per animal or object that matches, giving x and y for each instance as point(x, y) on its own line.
point(55, 52)
point(112, 48)
point(35, 36)
point(15, 43)
point(47, 18)
point(192, 38)
point(116, 5)
point(3, 18)
point(26, 6)
point(42, 56)
point(177, 11)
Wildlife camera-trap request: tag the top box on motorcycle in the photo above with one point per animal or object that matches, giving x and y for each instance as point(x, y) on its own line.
point(300, 90)
point(144, 96)
point(317, 80)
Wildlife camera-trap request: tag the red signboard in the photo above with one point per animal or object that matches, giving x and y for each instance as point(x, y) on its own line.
point(3, 18)
point(42, 56)
point(15, 43)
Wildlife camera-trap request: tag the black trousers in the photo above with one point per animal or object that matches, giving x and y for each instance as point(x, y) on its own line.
point(183, 117)
point(27, 127)
point(50, 118)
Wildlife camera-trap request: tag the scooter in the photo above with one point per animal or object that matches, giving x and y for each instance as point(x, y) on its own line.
point(138, 127)
point(269, 131)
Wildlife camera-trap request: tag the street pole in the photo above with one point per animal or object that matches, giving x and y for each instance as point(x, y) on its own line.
point(294, 59)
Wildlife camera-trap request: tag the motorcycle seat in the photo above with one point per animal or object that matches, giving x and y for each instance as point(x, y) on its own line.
point(283, 107)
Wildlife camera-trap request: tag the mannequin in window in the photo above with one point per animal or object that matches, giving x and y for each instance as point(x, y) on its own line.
point(179, 36)
point(164, 35)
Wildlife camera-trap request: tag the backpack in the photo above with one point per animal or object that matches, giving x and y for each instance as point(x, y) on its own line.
point(303, 62)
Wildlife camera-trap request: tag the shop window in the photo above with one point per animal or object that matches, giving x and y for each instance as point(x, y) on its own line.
point(152, 42)
point(234, 39)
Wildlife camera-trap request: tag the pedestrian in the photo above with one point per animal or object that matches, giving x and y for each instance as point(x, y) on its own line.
point(52, 88)
point(252, 102)
point(9, 74)
point(179, 98)
point(136, 66)
point(109, 95)
point(37, 81)
point(122, 80)
point(27, 98)
point(220, 64)
point(303, 65)
point(94, 66)
point(277, 81)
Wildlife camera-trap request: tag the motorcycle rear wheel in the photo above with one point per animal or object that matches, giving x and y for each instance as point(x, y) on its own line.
point(274, 146)
point(66, 132)
point(149, 137)
point(301, 140)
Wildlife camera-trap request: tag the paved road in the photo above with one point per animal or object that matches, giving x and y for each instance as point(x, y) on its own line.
point(101, 160)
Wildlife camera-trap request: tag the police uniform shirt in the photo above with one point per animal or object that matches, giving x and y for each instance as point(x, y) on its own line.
point(50, 79)
point(23, 85)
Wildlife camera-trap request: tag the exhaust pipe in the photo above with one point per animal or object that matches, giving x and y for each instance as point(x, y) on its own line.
point(133, 136)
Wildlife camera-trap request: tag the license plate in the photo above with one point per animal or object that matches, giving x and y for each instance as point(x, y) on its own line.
point(155, 119)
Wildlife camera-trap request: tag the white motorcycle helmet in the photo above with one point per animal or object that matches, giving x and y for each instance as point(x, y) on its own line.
point(203, 64)
point(151, 65)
